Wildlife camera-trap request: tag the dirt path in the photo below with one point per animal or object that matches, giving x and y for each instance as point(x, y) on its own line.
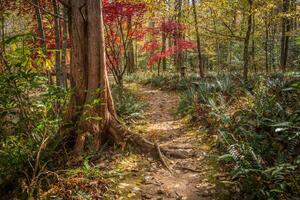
point(190, 177)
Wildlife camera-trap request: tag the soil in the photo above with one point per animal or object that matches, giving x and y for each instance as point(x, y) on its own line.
point(189, 179)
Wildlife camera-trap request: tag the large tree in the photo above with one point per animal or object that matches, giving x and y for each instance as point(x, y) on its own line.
point(91, 111)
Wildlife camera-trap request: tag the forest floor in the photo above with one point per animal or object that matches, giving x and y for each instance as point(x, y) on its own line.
point(147, 178)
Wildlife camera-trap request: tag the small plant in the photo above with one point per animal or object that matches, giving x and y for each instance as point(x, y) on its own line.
point(258, 122)
point(30, 114)
point(127, 105)
point(262, 141)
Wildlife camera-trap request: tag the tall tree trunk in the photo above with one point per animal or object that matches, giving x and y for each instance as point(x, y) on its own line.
point(130, 52)
point(136, 55)
point(41, 32)
point(200, 64)
point(272, 46)
point(2, 33)
point(91, 110)
point(164, 44)
point(179, 35)
point(284, 36)
point(64, 46)
point(247, 41)
point(58, 69)
point(267, 24)
point(253, 44)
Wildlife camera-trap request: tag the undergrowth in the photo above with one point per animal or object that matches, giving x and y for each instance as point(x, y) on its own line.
point(128, 107)
point(30, 115)
point(165, 81)
point(258, 123)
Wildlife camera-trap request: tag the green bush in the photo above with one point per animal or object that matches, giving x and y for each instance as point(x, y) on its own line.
point(126, 104)
point(30, 114)
point(258, 122)
point(263, 141)
point(171, 82)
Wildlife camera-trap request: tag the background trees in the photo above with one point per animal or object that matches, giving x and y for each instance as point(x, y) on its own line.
point(58, 56)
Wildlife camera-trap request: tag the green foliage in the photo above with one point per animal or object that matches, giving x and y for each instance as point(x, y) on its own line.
point(259, 129)
point(171, 82)
point(126, 104)
point(30, 113)
point(298, 41)
point(263, 138)
point(205, 93)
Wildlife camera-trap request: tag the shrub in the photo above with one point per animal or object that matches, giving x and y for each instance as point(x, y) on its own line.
point(126, 104)
point(258, 122)
point(262, 140)
point(30, 114)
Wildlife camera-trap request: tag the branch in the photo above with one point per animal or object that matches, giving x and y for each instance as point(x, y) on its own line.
point(224, 35)
point(44, 10)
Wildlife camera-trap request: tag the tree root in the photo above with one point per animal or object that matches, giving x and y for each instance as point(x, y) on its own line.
point(121, 135)
point(162, 158)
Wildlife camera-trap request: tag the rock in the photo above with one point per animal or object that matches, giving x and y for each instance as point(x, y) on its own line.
point(136, 189)
point(148, 179)
point(123, 185)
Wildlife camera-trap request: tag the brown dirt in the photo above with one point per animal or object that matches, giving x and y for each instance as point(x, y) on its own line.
point(190, 178)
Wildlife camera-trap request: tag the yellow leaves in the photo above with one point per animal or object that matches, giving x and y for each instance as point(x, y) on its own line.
point(131, 194)
point(48, 64)
point(14, 46)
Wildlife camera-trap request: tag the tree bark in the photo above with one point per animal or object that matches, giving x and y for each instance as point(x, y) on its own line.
point(267, 24)
point(253, 62)
point(2, 33)
point(91, 111)
point(200, 64)
point(247, 41)
point(179, 35)
point(164, 44)
point(130, 52)
point(41, 33)
point(64, 46)
point(284, 36)
point(58, 69)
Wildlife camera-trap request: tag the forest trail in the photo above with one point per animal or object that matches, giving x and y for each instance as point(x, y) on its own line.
point(190, 178)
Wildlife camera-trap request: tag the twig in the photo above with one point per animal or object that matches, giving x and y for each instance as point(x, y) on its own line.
point(44, 10)
point(162, 158)
point(37, 160)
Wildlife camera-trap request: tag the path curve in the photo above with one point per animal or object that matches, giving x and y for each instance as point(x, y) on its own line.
point(190, 178)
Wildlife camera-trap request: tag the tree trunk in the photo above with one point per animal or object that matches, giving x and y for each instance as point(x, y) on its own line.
point(64, 46)
point(253, 44)
point(130, 52)
point(179, 35)
point(164, 44)
point(284, 36)
point(2, 33)
point(267, 24)
point(41, 33)
point(272, 45)
point(247, 41)
point(58, 69)
point(200, 64)
point(91, 111)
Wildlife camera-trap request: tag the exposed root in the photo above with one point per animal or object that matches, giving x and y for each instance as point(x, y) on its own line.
point(162, 158)
point(121, 135)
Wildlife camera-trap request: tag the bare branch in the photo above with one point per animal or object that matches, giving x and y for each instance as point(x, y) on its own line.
point(44, 10)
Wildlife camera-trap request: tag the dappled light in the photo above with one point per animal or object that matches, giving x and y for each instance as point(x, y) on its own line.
point(144, 99)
